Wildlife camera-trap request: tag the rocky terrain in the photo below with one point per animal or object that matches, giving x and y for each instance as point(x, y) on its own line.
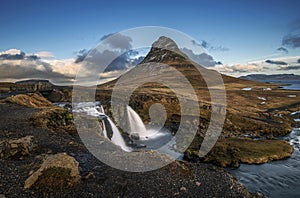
point(49, 160)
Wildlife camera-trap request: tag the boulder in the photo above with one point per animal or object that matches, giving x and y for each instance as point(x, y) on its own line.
point(17, 147)
point(59, 171)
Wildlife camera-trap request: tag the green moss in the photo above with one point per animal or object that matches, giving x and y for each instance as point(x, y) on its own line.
point(57, 178)
point(231, 152)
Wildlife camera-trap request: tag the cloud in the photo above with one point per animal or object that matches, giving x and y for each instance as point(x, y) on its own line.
point(219, 48)
point(282, 49)
point(44, 54)
point(117, 41)
point(291, 40)
point(202, 44)
point(27, 69)
point(81, 55)
point(276, 62)
point(289, 67)
point(202, 59)
point(16, 65)
point(240, 68)
point(207, 46)
point(15, 54)
point(12, 54)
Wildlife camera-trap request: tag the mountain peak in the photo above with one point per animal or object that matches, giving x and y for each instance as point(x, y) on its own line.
point(165, 43)
point(164, 50)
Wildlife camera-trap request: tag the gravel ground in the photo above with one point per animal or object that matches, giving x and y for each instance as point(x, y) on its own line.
point(179, 179)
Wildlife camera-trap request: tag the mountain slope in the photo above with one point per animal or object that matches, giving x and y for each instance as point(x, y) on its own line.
point(244, 108)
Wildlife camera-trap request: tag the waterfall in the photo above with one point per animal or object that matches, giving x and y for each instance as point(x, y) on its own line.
point(136, 124)
point(110, 130)
point(117, 138)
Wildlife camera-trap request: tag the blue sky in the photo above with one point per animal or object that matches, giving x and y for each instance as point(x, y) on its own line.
point(250, 29)
point(245, 30)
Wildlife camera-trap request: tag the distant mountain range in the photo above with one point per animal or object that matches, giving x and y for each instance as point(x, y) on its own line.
point(272, 77)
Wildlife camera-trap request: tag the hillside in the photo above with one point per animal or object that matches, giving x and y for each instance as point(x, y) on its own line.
point(254, 109)
point(242, 106)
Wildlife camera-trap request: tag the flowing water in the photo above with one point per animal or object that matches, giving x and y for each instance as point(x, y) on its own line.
point(95, 109)
point(161, 140)
point(274, 179)
point(137, 126)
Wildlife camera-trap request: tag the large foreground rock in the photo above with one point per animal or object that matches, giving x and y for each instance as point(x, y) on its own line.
point(17, 147)
point(56, 172)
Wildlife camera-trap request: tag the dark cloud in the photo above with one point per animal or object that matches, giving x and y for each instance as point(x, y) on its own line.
point(117, 41)
point(81, 55)
point(202, 59)
point(9, 71)
point(202, 44)
point(276, 62)
point(32, 57)
point(107, 61)
point(106, 36)
point(124, 61)
point(18, 55)
point(207, 46)
point(114, 40)
point(290, 67)
point(291, 40)
point(282, 49)
point(9, 56)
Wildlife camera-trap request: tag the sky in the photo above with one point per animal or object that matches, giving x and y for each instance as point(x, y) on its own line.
point(235, 32)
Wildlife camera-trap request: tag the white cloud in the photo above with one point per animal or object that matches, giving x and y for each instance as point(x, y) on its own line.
point(241, 68)
point(44, 54)
point(65, 66)
point(11, 52)
point(261, 66)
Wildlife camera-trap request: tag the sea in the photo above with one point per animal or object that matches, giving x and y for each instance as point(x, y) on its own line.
point(287, 84)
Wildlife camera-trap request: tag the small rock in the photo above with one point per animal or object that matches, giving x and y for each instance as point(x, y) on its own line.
point(88, 176)
point(13, 146)
point(17, 147)
point(58, 171)
point(135, 136)
point(198, 183)
point(183, 188)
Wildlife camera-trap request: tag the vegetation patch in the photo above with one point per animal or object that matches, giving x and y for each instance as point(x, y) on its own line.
point(53, 118)
point(29, 100)
point(231, 152)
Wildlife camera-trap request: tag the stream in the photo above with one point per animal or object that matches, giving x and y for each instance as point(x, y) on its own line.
point(274, 179)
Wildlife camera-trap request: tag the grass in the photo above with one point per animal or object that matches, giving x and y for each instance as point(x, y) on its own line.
point(231, 152)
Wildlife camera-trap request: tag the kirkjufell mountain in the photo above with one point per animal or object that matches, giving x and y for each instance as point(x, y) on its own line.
point(246, 99)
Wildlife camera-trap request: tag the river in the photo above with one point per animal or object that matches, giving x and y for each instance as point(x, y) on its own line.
point(274, 179)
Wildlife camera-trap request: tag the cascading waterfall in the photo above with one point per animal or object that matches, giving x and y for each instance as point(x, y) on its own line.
point(136, 124)
point(95, 109)
point(117, 137)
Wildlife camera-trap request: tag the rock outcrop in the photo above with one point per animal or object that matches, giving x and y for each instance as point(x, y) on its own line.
point(29, 100)
point(13, 148)
point(58, 171)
